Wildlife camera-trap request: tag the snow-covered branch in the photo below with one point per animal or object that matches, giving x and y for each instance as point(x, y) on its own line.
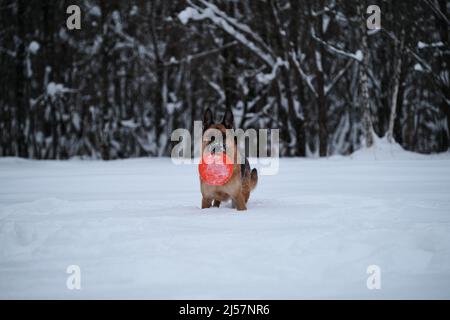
point(239, 26)
point(143, 50)
point(197, 13)
point(410, 51)
point(326, 9)
point(267, 78)
point(8, 52)
point(358, 56)
point(339, 75)
point(423, 45)
point(201, 54)
point(438, 11)
point(303, 75)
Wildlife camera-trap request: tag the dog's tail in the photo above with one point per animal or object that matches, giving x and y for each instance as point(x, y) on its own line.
point(253, 179)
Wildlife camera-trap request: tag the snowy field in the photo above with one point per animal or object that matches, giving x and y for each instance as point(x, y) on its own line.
point(136, 230)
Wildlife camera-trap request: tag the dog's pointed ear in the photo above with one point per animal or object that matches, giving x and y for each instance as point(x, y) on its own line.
point(207, 119)
point(228, 119)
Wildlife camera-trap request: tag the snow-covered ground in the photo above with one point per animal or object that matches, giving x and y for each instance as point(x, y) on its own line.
point(136, 230)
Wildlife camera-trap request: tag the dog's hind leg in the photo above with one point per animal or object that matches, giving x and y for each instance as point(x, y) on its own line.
point(246, 195)
point(216, 203)
point(239, 201)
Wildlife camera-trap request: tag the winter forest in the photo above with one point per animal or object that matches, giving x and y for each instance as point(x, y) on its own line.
point(137, 70)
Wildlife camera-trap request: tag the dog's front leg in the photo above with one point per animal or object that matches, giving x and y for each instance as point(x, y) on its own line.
point(206, 203)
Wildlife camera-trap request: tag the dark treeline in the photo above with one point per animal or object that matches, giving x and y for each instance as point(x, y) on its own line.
point(139, 69)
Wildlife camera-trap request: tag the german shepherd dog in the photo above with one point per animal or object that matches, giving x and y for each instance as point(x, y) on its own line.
point(242, 181)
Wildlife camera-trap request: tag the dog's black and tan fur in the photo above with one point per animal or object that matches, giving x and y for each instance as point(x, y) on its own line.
point(243, 180)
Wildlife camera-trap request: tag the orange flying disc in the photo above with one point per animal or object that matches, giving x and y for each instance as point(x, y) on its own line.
point(215, 169)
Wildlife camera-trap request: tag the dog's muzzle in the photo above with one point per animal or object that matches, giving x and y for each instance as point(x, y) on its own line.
point(214, 147)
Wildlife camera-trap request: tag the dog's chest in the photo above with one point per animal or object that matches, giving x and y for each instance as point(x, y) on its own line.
point(213, 192)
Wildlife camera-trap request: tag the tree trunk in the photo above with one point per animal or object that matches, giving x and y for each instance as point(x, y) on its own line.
point(104, 143)
point(444, 61)
point(21, 146)
point(283, 50)
point(398, 68)
point(321, 100)
point(363, 81)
